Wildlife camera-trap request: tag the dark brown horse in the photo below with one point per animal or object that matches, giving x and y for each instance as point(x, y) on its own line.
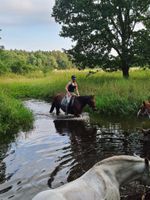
point(75, 106)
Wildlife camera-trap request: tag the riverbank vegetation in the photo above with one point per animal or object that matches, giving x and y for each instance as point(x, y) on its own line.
point(13, 115)
point(114, 95)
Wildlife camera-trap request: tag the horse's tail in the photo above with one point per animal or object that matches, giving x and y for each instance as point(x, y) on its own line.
point(52, 107)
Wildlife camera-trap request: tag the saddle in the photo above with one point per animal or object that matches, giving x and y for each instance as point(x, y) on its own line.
point(67, 102)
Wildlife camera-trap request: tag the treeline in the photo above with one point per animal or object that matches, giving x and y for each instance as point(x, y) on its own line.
point(21, 62)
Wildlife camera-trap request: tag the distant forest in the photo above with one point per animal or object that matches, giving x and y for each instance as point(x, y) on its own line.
point(21, 62)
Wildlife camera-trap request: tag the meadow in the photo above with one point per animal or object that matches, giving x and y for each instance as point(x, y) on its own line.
point(114, 95)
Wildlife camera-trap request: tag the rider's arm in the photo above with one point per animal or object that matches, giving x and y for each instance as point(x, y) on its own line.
point(77, 91)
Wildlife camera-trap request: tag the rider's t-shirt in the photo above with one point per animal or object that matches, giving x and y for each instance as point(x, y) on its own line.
point(71, 87)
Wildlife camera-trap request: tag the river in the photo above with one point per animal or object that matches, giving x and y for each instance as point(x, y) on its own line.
point(55, 152)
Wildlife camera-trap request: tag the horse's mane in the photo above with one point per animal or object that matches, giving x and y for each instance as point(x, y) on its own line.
point(121, 158)
point(85, 97)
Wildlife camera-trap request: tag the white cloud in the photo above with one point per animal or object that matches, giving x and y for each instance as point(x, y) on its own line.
point(25, 11)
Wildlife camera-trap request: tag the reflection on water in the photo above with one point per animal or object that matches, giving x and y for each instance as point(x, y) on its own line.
point(82, 139)
point(56, 151)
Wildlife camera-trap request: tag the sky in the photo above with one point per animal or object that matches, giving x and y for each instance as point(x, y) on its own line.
point(28, 25)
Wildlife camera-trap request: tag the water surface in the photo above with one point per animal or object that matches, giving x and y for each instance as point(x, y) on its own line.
point(56, 151)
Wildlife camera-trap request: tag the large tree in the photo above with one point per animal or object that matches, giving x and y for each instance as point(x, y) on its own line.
point(142, 45)
point(100, 27)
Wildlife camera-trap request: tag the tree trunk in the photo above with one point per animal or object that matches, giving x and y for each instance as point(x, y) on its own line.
point(125, 72)
point(125, 68)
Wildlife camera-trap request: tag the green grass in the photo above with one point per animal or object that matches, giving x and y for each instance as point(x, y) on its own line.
point(13, 115)
point(114, 95)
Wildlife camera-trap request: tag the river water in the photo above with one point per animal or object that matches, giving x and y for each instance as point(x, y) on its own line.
point(58, 151)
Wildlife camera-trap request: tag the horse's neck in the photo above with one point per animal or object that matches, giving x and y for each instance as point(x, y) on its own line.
point(83, 100)
point(123, 170)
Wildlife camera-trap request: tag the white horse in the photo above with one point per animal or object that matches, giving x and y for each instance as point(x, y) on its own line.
point(102, 181)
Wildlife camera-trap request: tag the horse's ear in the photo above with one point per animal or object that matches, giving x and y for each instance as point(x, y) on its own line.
point(146, 162)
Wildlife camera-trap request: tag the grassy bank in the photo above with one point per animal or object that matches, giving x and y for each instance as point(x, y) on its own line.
point(13, 115)
point(114, 95)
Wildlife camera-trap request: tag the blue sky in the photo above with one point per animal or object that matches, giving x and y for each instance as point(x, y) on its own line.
point(28, 25)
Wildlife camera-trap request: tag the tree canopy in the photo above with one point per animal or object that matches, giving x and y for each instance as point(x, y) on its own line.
point(101, 27)
point(21, 62)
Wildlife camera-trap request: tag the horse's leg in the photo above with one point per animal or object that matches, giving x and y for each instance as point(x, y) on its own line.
point(76, 111)
point(52, 107)
point(76, 114)
point(57, 110)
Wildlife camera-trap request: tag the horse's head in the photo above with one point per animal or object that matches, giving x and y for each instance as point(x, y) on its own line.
point(144, 109)
point(91, 102)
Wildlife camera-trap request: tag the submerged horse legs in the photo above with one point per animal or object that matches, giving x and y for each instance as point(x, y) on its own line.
point(52, 107)
point(55, 106)
point(57, 110)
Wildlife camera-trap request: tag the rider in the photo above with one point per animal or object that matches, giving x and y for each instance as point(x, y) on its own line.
point(72, 90)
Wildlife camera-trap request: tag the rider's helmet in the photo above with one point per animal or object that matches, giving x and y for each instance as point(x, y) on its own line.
point(73, 77)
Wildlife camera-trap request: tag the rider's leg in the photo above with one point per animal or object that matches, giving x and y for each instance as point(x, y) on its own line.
point(67, 104)
point(66, 113)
